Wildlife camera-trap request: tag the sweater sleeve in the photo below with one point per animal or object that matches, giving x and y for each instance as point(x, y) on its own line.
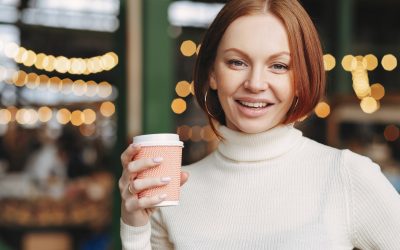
point(374, 205)
point(135, 238)
point(153, 235)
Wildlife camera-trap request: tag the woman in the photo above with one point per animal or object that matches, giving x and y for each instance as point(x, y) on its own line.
point(266, 186)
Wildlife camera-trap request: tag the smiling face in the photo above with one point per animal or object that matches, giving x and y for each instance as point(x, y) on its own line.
point(252, 73)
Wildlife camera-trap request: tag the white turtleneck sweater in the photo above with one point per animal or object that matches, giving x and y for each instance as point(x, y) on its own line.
point(276, 190)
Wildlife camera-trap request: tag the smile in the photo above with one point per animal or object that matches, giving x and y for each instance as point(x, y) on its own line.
point(253, 104)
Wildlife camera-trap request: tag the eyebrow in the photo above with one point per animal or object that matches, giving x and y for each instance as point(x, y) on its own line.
point(275, 55)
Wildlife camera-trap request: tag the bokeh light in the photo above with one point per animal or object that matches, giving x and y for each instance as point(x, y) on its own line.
point(377, 91)
point(183, 89)
point(322, 110)
point(107, 109)
point(178, 106)
point(369, 105)
point(391, 133)
point(389, 62)
point(188, 48)
point(329, 62)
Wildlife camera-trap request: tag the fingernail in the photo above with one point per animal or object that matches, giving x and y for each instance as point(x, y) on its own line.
point(162, 196)
point(133, 145)
point(166, 179)
point(158, 159)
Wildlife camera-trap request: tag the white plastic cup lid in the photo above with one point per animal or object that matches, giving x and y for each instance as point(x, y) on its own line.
point(158, 140)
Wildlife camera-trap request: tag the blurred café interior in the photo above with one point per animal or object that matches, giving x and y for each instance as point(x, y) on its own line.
point(79, 78)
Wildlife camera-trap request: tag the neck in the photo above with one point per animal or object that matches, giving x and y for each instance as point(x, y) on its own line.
point(243, 147)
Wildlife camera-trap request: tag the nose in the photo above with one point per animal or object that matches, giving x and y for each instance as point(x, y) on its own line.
point(256, 81)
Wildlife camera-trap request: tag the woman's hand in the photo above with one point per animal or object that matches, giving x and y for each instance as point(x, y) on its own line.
point(134, 211)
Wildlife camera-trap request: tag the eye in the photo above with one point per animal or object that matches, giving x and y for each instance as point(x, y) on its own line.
point(236, 63)
point(280, 67)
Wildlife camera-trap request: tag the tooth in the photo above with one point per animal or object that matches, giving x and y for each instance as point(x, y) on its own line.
point(254, 104)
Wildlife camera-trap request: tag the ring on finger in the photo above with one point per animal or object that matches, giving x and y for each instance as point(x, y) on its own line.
point(130, 190)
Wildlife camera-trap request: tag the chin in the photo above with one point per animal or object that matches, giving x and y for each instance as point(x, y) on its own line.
point(253, 128)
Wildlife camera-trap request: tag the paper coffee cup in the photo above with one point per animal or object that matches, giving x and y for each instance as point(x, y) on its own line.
point(169, 147)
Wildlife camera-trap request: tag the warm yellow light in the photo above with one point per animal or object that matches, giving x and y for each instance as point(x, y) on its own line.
point(369, 105)
point(115, 58)
point(182, 88)
point(75, 67)
point(96, 62)
point(19, 78)
point(79, 87)
point(54, 84)
point(362, 91)
point(391, 133)
point(49, 63)
point(377, 91)
point(104, 89)
point(29, 58)
point(322, 110)
point(40, 58)
point(45, 114)
point(329, 62)
point(43, 82)
point(62, 64)
point(188, 48)
point(185, 132)
point(20, 54)
point(77, 118)
point(91, 88)
point(107, 61)
point(31, 116)
point(389, 62)
point(11, 50)
point(66, 87)
point(89, 116)
point(347, 61)
point(107, 109)
point(178, 105)
point(21, 116)
point(5, 116)
point(372, 62)
point(63, 116)
point(31, 81)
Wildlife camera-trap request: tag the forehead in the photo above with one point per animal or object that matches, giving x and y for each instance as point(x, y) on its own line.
point(261, 33)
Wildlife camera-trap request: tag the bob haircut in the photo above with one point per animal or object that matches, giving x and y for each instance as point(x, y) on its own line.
point(305, 48)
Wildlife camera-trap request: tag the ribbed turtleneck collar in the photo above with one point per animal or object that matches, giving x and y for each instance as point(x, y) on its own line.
point(242, 147)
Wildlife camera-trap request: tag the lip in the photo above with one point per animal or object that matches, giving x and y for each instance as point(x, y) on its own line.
point(253, 112)
point(250, 99)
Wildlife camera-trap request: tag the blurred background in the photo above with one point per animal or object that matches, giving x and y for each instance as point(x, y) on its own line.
point(79, 78)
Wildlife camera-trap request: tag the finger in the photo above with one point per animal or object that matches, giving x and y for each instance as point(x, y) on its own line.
point(126, 194)
point(143, 164)
point(139, 185)
point(129, 153)
point(184, 177)
point(149, 201)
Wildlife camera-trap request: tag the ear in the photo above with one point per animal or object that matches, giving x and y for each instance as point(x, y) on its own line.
point(213, 81)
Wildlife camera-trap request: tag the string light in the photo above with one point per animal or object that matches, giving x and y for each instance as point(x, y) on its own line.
point(178, 106)
point(188, 48)
point(54, 84)
point(377, 91)
point(329, 62)
point(369, 105)
point(183, 89)
point(389, 62)
point(107, 109)
point(61, 64)
point(322, 110)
